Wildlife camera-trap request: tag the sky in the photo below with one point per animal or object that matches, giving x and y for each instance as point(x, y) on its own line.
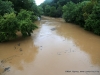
point(38, 2)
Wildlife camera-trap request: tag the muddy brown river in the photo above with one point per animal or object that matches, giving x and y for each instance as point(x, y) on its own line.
point(55, 48)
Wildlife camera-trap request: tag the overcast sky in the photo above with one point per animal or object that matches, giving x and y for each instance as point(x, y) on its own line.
point(38, 2)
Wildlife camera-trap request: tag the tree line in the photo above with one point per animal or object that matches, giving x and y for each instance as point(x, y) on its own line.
point(85, 13)
point(17, 15)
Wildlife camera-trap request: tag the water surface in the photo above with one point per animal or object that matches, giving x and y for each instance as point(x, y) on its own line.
point(55, 48)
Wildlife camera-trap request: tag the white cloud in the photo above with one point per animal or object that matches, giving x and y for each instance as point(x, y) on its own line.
point(38, 2)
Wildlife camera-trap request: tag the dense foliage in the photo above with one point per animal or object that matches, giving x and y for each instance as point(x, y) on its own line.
point(25, 22)
point(93, 21)
point(74, 13)
point(17, 15)
point(8, 27)
point(53, 8)
point(85, 13)
point(5, 7)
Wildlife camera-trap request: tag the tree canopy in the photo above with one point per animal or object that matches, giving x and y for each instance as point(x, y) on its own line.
point(81, 12)
point(17, 15)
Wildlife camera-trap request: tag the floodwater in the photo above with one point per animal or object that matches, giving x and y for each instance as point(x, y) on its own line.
point(55, 48)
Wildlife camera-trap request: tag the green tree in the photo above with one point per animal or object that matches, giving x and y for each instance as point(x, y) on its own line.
point(79, 18)
point(26, 25)
point(53, 11)
point(74, 13)
point(11, 23)
point(40, 9)
point(59, 11)
point(47, 10)
point(69, 12)
point(25, 4)
point(8, 27)
point(87, 9)
point(93, 22)
point(5, 7)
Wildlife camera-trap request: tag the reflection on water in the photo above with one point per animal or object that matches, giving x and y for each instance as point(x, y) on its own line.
point(56, 48)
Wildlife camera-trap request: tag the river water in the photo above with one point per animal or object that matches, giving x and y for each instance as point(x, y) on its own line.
point(55, 48)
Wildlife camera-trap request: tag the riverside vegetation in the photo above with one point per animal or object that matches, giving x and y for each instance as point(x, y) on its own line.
point(17, 15)
point(85, 13)
point(20, 15)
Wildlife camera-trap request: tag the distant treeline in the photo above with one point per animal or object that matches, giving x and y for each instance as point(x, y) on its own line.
point(85, 13)
point(17, 15)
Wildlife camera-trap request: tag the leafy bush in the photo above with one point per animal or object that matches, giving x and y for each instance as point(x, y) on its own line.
point(40, 9)
point(93, 22)
point(53, 11)
point(79, 18)
point(25, 22)
point(58, 4)
point(22, 21)
point(5, 7)
point(85, 14)
point(26, 27)
point(59, 11)
point(87, 9)
point(69, 12)
point(10, 24)
point(47, 10)
point(8, 27)
point(74, 13)
point(24, 14)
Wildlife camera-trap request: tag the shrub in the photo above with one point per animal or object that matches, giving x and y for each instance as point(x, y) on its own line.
point(26, 27)
point(53, 11)
point(25, 22)
point(10, 24)
point(69, 12)
point(8, 27)
point(74, 13)
point(93, 22)
point(47, 10)
point(24, 14)
point(87, 9)
point(59, 11)
point(5, 7)
point(79, 18)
